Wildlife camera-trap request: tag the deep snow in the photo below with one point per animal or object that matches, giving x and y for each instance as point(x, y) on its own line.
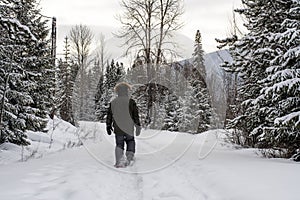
point(169, 166)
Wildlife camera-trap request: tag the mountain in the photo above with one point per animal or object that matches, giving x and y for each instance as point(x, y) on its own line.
point(217, 82)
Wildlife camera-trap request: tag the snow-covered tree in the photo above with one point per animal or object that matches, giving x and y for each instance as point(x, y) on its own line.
point(250, 60)
point(201, 99)
point(105, 89)
point(187, 112)
point(40, 62)
point(279, 100)
point(66, 86)
point(198, 55)
point(89, 104)
point(99, 98)
point(173, 114)
point(266, 60)
point(18, 51)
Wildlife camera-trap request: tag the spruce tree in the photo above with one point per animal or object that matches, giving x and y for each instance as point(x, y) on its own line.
point(279, 100)
point(113, 74)
point(89, 104)
point(251, 57)
point(16, 83)
point(66, 86)
point(198, 55)
point(40, 62)
point(98, 97)
point(201, 103)
point(173, 114)
point(266, 60)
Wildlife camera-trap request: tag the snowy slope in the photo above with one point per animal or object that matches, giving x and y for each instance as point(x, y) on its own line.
point(60, 135)
point(169, 166)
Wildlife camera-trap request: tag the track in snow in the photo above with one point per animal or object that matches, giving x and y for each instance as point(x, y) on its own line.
point(167, 167)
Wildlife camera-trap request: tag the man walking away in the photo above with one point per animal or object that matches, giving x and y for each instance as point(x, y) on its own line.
point(122, 117)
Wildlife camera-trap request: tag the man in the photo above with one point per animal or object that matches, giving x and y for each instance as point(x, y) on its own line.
point(122, 117)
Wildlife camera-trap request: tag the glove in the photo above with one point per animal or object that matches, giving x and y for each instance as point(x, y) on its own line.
point(108, 130)
point(137, 130)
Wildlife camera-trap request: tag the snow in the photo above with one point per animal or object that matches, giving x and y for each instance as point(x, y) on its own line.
point(287, 118)
point(64, 135)
point(289, 84)
point(20, 26)
point(169, 166)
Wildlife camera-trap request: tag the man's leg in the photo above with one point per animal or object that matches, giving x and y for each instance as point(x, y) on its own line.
point(119, 147)
point(130, 147)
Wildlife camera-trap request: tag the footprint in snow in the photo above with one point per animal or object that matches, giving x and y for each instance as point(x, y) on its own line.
point(168, 196)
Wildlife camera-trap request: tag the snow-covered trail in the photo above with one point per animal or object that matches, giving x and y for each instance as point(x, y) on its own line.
point(168, 167)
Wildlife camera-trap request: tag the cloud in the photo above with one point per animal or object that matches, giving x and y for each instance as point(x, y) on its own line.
point(77, 11)
point(212, 17)
point(208, 5)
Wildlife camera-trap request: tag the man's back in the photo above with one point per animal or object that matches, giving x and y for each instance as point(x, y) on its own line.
point(122, 120)
point(124, 114)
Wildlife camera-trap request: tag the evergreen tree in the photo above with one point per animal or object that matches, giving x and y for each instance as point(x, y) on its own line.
point(198, 55)
point(114, 72)
point(266, 60)
point(99, 98)
point(201, 102)
point(250, 61)
point(188, 118)
point(40, 63)
point(66, 86)
point(173, 114)
point(89, 104)
point(16, 111)
point(279, 100)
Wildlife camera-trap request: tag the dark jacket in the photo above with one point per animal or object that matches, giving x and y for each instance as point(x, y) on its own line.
point(123, 115)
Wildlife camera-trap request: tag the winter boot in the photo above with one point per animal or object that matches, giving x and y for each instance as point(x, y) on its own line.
point(120, 165)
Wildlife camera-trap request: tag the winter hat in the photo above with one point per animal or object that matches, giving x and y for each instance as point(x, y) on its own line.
point(122, 88)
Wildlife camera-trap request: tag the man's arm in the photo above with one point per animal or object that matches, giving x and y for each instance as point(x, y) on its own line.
point(109, 120)
point(136, 118)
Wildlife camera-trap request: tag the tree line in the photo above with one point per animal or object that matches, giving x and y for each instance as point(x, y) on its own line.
point(263, 110)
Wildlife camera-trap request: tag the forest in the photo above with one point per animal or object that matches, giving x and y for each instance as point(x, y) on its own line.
point(259, 107)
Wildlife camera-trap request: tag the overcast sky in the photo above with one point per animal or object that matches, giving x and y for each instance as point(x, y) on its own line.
point(211, 17)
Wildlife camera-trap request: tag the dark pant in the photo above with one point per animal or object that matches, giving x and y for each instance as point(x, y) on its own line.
point(130, 146)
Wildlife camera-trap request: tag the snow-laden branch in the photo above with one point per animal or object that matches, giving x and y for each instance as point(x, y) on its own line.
point(287, 118)
point(8, 22)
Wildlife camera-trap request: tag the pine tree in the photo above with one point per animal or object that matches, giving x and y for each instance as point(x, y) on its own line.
point(39, 63)
point(66, 86)
point(250, 60)
point(187, 113)
point(279, 100)
point(266, 60)
point(201, 103)
point(16, 112)
point(99, 98)
point(173, 114)
point(198, 55)
point(114, 72)
point(89, 104)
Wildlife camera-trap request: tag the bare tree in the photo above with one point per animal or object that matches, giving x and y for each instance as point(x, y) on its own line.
point(81, 38)
point(102, 55)
point(148, 25)
point(170, 12)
